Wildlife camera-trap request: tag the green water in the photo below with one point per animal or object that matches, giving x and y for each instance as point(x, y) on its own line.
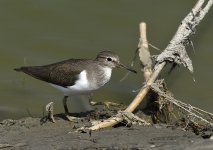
point(45, 31)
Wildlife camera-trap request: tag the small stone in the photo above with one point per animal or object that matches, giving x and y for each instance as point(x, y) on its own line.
point(153, 146)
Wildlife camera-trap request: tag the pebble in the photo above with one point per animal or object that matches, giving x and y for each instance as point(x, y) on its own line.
point(153, 146)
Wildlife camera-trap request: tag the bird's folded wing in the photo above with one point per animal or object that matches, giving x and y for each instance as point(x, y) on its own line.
point(63, 75)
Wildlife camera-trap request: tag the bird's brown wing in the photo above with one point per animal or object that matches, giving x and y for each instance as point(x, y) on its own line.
point(63, 73)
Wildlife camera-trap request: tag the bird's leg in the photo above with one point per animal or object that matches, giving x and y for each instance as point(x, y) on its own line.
point(65, 104)
point(70, 118)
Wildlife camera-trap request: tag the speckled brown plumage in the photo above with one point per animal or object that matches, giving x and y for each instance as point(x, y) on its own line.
point(63, 73)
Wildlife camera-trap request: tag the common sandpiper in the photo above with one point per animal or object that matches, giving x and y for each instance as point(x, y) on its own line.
point(77, 76)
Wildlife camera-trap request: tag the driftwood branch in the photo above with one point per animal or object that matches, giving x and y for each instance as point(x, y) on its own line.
point(175, 52)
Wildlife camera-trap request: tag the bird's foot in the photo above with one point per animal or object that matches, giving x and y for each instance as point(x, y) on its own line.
point(107, 104)
point(71, 118)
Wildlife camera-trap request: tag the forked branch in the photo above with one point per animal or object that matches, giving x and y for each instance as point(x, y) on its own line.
point(175, 52)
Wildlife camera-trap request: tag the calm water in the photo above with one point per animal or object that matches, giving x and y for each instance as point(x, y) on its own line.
point(45, 31)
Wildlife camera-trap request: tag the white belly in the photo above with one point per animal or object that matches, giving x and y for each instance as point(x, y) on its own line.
point(81, 86)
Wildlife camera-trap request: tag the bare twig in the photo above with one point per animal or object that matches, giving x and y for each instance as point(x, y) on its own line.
point(121, 116)
point(49, 109)
point(154, 47)
point(131, 118)
point(3, 146)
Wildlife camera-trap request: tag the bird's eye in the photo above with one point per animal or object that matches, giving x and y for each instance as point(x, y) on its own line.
point(109, 59)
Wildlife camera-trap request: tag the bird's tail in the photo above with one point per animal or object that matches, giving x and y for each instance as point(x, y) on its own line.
point(18, 69)
point(37, 72)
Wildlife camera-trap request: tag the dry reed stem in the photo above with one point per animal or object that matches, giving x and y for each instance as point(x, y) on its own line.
point(144, 54)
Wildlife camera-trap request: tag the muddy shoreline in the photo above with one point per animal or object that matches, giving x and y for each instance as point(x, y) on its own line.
point(28, 133)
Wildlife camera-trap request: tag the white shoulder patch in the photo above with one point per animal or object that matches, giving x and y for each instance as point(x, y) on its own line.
point(82, 82)
point(108, 72)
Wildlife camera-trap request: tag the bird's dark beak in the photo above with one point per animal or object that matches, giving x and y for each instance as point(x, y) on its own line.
point(127, 68)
